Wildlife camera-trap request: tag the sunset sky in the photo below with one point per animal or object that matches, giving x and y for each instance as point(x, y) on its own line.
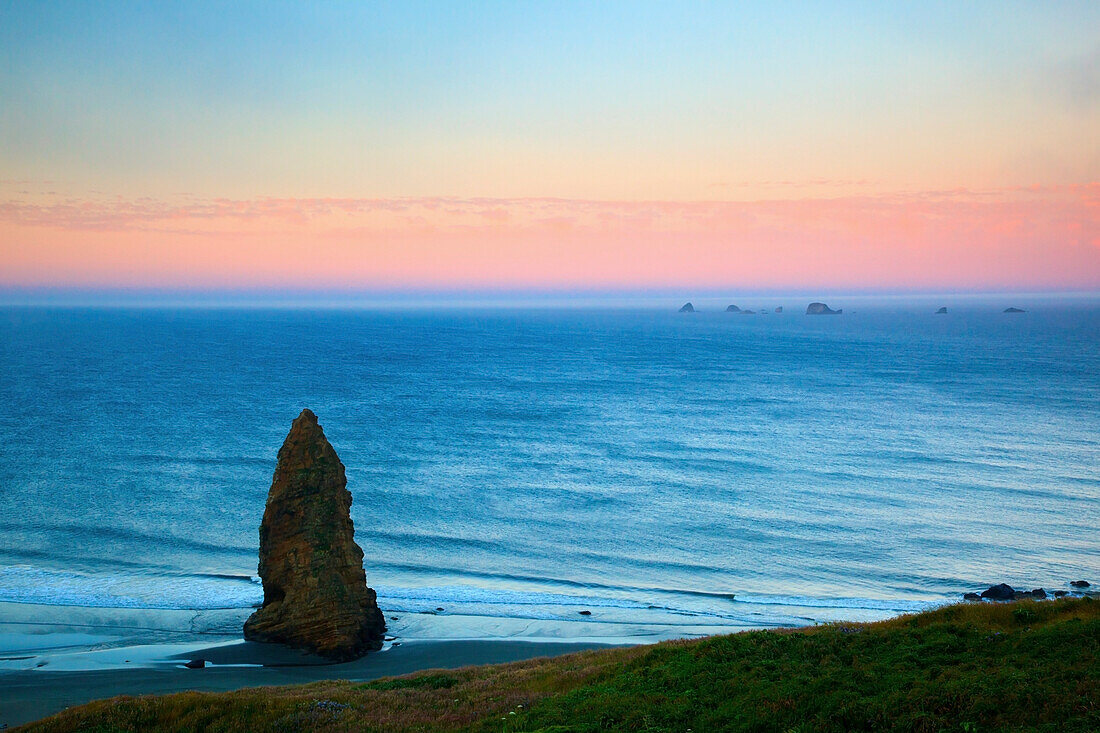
point(550, 146)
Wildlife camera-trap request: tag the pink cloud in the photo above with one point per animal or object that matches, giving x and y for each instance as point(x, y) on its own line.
point(1032, 237)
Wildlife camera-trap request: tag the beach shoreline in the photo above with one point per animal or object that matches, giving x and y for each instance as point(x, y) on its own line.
point(28, 695)
point(900, 658)
point(53, 657)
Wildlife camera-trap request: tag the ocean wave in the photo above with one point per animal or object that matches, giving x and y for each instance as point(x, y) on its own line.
point(214, 591)
point(430, 539)
point(868, 604)
point(125, 537)
point(582, 585)
point(193, 460)
point(199, 592)
point(465, 594)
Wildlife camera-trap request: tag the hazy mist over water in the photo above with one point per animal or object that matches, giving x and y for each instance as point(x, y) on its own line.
point(526, 462)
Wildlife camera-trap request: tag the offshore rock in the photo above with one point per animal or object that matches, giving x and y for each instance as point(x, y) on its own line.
point(820, 309)
point(315, 591)
point(999, 592)
point(732, 309)
point(779, 309)
point(942, 311)
point(1014, 310)
point(687, 308)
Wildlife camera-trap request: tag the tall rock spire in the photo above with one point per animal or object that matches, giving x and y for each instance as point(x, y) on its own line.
point(315, 591)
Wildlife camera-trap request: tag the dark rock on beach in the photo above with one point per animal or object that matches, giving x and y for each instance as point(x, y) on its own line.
point(585, 613)
point(1060, 594)
point(971, 597)
point(732, 309)
point(1014, 310)
point(1000, 592)
point(820, 309)
point(315, 591)
point(1080, 584)
point(687, 308)
point(1037, 593)
point(196, 664)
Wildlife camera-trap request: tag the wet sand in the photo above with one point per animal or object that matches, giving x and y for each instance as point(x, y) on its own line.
point(27, 695)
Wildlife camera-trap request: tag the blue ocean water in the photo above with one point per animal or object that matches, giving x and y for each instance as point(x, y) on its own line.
point(525, 463)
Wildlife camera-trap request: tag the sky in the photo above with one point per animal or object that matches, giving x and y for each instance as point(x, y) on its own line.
point(550, 146)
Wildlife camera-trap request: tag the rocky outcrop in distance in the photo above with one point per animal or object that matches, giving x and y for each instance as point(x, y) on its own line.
point(779, 309)
point(1014, 310)
point(1005, 592)
point(942, 311)
point(687, 308)
point(315, 590)
point(732, 309)
point(820, 309)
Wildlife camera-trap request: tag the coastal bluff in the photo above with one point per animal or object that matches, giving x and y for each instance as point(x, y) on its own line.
point(315, 590)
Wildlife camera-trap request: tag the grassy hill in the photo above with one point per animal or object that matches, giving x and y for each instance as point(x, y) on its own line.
point(970, 667)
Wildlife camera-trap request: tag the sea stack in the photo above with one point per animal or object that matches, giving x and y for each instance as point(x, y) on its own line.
point(687, 308)
point(732, 309)
point(315, 591)
point(942, 311)
point(820, 309)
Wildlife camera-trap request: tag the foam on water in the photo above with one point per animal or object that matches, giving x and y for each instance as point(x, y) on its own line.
point(870, 604)
point(30, 585)
point(23, 584)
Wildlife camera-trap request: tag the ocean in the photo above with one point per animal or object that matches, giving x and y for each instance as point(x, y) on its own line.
point(673, 474)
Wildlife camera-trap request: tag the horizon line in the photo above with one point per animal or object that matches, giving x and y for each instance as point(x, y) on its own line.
point(132, 297)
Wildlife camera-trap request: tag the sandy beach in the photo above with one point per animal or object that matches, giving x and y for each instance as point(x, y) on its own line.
point(30, 694)
point(53, 657)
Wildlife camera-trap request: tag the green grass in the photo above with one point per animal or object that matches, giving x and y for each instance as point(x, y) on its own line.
point(972, 667)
